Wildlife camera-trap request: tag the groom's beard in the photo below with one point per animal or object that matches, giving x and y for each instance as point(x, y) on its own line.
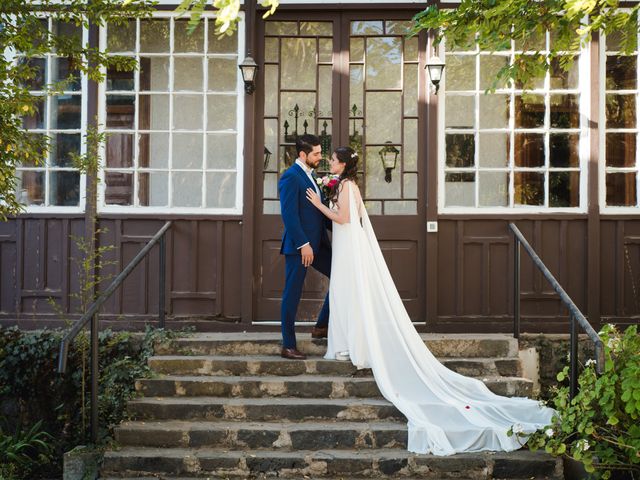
point(312, 165)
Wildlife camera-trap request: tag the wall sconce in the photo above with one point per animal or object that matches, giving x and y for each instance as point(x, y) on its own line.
point(267, 156)
point(249, 69)
point(435, 66)
point(389, 158)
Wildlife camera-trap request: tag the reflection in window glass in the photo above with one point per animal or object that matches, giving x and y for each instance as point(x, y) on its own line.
point(171, 144)
point(621, 125)
point(58, 119)
point(507, 147)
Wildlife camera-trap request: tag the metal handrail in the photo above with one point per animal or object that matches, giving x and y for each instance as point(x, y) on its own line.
point(90, 314)
point(574, 312)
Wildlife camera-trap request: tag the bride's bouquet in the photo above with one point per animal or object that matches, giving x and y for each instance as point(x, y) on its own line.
point(327, 184)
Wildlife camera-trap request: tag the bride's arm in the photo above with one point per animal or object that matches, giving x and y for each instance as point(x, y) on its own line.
point(340, 216)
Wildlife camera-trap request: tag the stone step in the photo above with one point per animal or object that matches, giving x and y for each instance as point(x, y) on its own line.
point(300, 386)
point(373, 463)
point(262, 409)
point(268, 343)
point(276, 365)
point(261, 435)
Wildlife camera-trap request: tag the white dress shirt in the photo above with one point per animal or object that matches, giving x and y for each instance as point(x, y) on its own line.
point(308, 171)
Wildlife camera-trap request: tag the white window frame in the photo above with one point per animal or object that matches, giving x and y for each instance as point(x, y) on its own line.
point(239, 170)
point(584, 76)
point(602, 152)
point(82, 131)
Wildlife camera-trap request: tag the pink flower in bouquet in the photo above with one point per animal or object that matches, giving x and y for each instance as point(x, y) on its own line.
point(328, 183)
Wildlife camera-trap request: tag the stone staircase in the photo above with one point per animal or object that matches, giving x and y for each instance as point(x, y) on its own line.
point(225, 405)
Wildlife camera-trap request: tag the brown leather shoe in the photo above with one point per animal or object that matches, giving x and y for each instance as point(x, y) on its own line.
point(292, 354)
point(319, 332)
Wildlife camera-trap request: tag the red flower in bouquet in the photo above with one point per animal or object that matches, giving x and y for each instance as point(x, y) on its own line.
point(328, 183)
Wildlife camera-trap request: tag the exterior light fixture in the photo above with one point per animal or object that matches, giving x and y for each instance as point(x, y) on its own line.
point(249, 69)
point(435, 66)
point(389, 158)
point(267, 156)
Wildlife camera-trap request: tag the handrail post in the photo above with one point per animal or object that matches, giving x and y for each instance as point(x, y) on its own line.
point(94, 378)
point(516, 288)
point(573, 388)
point(161, 286)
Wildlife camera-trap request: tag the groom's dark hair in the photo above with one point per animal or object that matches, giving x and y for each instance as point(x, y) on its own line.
point(306, 142)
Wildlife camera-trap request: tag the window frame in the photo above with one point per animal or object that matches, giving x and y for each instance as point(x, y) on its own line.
point(602, 132)
point(584, 76)
point(12, 56)
point(237, 209)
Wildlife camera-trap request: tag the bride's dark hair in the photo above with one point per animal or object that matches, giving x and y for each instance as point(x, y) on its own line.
point(349, 157)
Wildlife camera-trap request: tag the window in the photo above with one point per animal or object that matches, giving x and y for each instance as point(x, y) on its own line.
point(512, 149)
point(61, 118)
point(619, 111)
point(173, 125)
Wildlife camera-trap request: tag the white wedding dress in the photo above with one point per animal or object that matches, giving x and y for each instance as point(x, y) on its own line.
point(447, 412)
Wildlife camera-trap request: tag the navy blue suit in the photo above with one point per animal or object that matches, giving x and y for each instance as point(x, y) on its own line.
point(302, 223)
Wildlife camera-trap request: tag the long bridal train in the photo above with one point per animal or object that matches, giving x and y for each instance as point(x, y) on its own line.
point(447, 412)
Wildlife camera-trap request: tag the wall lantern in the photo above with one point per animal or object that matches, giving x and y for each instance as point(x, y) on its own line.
point(249, 69)
point(267, 156)
point(389, 158)
point(435, 66)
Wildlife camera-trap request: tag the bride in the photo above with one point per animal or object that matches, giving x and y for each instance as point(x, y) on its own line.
point(447, 412)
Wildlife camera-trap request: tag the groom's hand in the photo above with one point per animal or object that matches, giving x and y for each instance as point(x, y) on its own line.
point(307, 255)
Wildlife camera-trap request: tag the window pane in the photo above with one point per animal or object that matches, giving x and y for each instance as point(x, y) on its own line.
point(221, 112)
point(224, 44)
point(490, 65)
point(299, 63)
point(117, 80)
point(221, 151)
point(221, 189)
point(153, 112)
point(271, 49)
point(356, 50)
point(121, 38)
point(62, 148)
point(384, 62)
point(154, 36)
point(356, 89)
point(410, 185)
point(187, 189)
point(529, 188)
point(64, 189)
point(326, 50)
point(460, 73)
point(192, 42)
point(460, 111)
point(271, 89)
point(153, 150)
point(529, 150)
point(529, 111)
point(66, 111)
point(68, 30)
point(494, 111)
point(621, 111)
point(30, 187)
point(154, 74)
point(270, 185)
point(400, 207)
point(460, 189)
point(385, 110)
point(564, 189)
point(621, 189)
point(411, 90)
point(153, 189)
point(381, 182)
point(561, 79)
point(39, 69)
point(188, 112)
point(564, 149)
point(223, 74)
point(565, 111)
point(460, 150)
point(188, 74)
point(366, 28)
point(316, 28)
point(119, 150)
point(63, 72)
point(398, 27)
point(621, 149)
point(118, 188)
point(280, 28)
point(494, 149)
point(494, 189)
point(410, 145)
point(120, 111)
point(621, 72)
point(38, 120)
point(187, 150)
point(615, 40)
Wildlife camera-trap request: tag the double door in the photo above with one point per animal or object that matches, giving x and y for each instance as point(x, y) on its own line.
point(352, 79)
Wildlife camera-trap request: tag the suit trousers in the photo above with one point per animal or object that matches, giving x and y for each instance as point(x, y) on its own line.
point(295, 274)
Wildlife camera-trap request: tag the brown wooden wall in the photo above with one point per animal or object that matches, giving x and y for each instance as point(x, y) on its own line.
point(203, 267)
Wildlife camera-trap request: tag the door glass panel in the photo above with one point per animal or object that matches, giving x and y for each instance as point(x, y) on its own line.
point(384, 62)
point(298, 98)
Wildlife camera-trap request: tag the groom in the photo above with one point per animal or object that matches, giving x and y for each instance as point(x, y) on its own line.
point(305, 242)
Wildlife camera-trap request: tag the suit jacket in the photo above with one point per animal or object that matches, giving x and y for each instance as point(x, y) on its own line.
point(302, 221)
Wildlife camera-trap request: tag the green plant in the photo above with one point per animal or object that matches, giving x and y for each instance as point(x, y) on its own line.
point(600, 426)
point(18, 450)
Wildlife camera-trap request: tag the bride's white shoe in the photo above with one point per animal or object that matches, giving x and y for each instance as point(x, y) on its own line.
point(343, 356)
